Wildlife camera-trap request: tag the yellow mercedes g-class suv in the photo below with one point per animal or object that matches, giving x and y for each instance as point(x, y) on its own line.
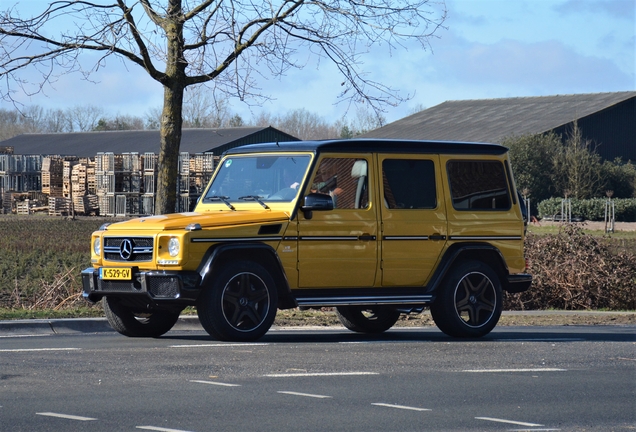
point(373, 228)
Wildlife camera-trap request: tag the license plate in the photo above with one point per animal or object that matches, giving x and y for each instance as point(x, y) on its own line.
point(119, 273)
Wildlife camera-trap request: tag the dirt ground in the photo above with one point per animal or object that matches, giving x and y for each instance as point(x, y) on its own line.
point(295, 317)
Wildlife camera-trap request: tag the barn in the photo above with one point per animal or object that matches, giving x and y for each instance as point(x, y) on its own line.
point(608, 120)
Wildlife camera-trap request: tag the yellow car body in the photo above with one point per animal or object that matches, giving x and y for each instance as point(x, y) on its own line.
point(374, 228)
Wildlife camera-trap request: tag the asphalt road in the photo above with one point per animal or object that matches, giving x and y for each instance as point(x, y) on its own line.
point(572, 378)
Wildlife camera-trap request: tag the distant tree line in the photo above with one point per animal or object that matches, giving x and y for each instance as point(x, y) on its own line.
point(198, 112)
point(548, 165)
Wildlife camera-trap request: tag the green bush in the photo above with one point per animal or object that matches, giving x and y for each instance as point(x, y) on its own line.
point(591, 209)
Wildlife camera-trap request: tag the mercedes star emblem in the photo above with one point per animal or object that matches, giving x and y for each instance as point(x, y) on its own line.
point(126, 249)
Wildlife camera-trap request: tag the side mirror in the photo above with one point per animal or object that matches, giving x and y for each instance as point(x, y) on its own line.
point(316, 202)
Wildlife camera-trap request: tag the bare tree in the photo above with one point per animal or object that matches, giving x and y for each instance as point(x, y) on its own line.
point(181, 43)
point(577, 166)
point(202, 110)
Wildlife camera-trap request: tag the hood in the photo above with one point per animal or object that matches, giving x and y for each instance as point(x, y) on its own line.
point(206, 220)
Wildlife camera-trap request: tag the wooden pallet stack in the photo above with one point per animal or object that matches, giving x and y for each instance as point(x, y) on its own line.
point(52, 176)
point(59, 206)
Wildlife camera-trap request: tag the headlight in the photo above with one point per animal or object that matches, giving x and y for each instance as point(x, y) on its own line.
point(97, 246)
point(174, 246)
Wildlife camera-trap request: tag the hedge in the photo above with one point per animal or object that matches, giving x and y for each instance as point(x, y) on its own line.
point(591, 209)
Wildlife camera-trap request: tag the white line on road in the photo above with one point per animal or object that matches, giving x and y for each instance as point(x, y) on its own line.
point(508, 421)
point(215, 383)
point(225, 345)
point(39, 349)
point(23, 335)
point(541, 340)
point(65, 416)
point(401, 407)
point(305, 395)
point(514, 370)
point(319, 374)
point(160, 429)
point(534, 430)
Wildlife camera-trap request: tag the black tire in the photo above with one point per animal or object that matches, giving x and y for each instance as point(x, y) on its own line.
point(470, 301)
point(367, 319)
point(136, 324)
point(240, 305)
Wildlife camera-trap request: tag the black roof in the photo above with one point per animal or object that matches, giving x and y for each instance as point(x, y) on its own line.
point(88, 144)
point(375, 145)
point(491, 120)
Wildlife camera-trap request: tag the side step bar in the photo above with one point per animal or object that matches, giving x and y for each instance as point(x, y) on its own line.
point(315, 301)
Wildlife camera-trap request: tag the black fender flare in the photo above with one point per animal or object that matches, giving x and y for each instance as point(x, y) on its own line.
point(256, 251)
point(484, 252)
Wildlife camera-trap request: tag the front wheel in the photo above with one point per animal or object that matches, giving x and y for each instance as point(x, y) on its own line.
point(470, 301)
point(240, 305)
point(130, 322)
point(363, 319)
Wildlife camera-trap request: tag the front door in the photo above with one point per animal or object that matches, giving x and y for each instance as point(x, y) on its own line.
point(339, 248)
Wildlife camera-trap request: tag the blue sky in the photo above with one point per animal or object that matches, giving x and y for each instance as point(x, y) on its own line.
point(490, 49)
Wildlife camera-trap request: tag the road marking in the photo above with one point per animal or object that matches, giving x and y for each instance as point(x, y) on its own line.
point(542, 340)
point(65, 416)
point(155, 428)
point(514, 370)
point(228, 345)
point(508, 421)
point(534, 430)
point(215, 383)
point(39, 349)
point(319, 374)
point(305, 395)
point(23, 335)
point(401, 407)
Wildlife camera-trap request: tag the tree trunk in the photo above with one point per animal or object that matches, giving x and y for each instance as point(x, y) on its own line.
point(171, 116)
point(168, 164)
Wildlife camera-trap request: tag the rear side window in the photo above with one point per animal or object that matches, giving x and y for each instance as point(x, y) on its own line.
point(478, 185)
point(409, 184)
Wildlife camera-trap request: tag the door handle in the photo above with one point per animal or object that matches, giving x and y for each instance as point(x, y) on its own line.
point(437, 237)
point(366, 237)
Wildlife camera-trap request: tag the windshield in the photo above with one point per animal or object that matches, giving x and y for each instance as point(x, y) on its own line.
point(258, 178)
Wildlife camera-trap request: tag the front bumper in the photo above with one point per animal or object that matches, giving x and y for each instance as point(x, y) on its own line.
point(155, 286)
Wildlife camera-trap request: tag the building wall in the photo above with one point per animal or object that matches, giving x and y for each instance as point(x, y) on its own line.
point(612, 131)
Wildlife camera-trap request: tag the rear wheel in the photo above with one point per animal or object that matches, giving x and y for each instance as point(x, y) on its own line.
point(130, 322)
point(240, 305)
point(364, 319)
point(470, 302)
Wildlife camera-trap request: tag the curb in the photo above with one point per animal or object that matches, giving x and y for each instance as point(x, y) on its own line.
point(36, 327)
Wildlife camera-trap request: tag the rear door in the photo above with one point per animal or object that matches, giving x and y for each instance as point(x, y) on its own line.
point(414, 226)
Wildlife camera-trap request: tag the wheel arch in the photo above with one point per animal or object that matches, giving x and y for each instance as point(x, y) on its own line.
point(261, 253)
point(484, 252)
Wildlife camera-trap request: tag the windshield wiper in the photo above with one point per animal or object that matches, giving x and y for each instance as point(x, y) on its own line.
point(224, 199)
point(254, 198)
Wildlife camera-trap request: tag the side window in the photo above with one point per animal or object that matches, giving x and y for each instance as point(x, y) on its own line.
point(478, 185)
point(345, 179)
point(409, 184)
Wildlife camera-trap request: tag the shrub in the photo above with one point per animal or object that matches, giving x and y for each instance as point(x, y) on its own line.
point(591, 209)
point(573, 270)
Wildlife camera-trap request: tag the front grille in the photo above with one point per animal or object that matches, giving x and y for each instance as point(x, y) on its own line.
point(163, 286)
point(137, 249)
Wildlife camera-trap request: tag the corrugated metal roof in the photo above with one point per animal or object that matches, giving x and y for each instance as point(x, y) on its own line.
point(88, 144)
point(491, 120)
